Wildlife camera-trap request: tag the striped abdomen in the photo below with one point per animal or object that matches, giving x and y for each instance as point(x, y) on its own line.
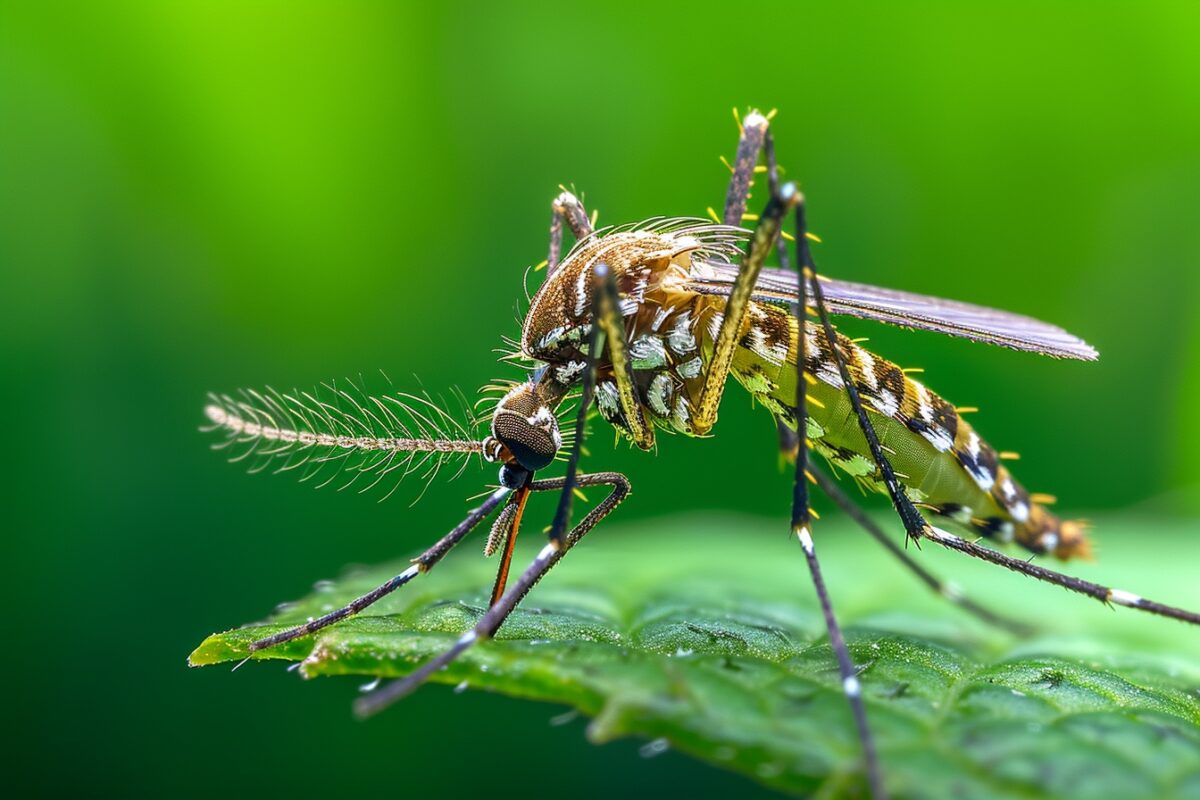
point(946, 466)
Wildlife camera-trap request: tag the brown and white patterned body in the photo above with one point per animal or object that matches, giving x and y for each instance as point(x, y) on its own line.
point(944, 464)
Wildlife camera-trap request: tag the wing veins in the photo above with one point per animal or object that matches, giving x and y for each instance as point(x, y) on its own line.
point(904, 309)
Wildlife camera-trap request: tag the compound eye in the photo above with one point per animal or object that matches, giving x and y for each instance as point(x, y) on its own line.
point(533, 441)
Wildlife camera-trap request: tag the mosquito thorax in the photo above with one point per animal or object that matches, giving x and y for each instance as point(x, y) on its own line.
point(524, 429)
point(651, 264)
point(648, 265)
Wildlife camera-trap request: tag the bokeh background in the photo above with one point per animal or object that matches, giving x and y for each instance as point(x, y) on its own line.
point(200, 196)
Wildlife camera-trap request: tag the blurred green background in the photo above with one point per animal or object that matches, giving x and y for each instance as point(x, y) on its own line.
point(200, 196)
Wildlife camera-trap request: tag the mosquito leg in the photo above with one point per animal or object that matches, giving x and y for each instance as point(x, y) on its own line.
point(939, 587)
point(565, 208)
point(422, 563)
point(495, 616)
point(1104, 594)
point(789, 440)
point(753, 137)
point(850, 683)
point(773, 185)
point(915, 525)
point(765, 234)
point(560, 539)
point(620, 490)
point(802, 530)
point(612, 325)
point(754, 131)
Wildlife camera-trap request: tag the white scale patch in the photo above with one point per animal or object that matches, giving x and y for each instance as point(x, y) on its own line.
point(637, 293)
point(924, 407)
point(885, 403)
point(689, 369)
point(581, 290)
point(681, 339)
point(586, 272)
point(550, 338)
point(983, 479)
point(828, 373)
point(1019, 512)
point(647, 352)
point(569, 372)
point(544, 418)
point(659, 394)
point(660, 317)
point(937, 436)
point(714, 325)
point(868, 368)
point(608, 399)
point(540, 417)
point(682, 417)
point(772, 354)
point(1049, 541)
point(805, 540)
point(1124, 598)
point(811, 346)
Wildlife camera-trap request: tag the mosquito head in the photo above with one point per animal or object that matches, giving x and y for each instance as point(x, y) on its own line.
point(525, 431)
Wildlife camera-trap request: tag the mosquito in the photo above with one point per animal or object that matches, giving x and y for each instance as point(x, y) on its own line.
point(644, 324)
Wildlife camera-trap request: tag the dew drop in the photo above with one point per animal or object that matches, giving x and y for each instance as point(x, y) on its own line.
point(654, 747)
point(564, 718)
point(294, 667)
point(370, 686)
point(460, 688)
point(323, 586)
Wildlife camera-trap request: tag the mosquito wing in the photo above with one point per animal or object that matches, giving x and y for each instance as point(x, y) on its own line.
point(905, 309)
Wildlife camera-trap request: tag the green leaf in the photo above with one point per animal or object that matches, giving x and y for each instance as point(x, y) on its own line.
point(702, 635)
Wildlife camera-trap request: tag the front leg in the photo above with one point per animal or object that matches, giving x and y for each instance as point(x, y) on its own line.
point(750, 143)
point(765, 234)
point(566, 208)
point(612, 325)
point(561, 538)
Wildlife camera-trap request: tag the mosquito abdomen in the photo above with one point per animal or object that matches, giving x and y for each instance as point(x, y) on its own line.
point(946, 467)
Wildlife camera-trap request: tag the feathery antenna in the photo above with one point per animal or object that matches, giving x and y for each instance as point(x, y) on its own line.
point(335, 431)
